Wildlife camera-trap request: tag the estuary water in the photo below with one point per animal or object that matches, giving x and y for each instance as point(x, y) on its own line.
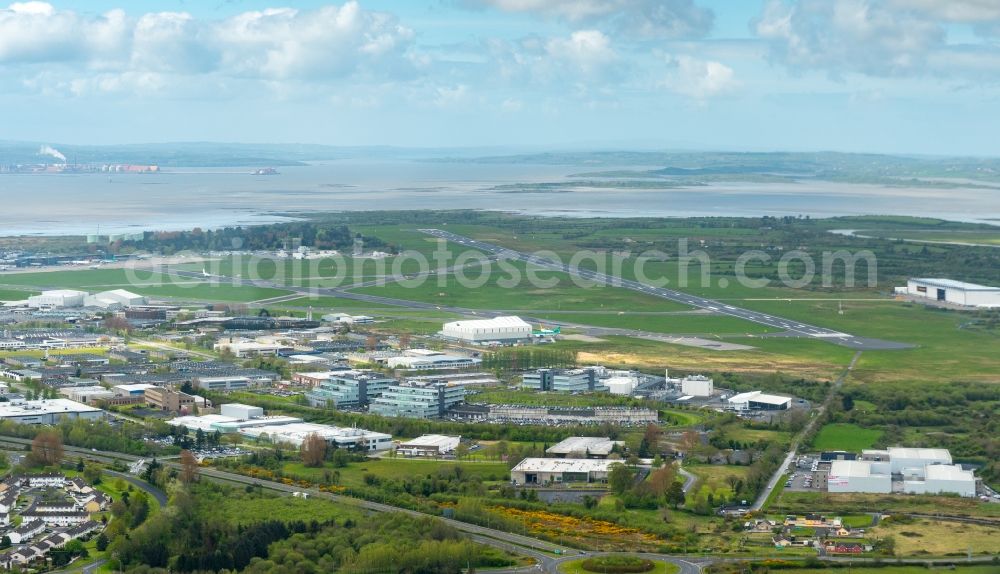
point(81, 204)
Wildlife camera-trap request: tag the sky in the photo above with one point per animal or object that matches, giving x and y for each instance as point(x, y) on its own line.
point(889, 76)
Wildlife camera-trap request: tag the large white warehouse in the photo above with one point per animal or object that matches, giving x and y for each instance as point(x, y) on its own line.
point(57, 298)
point(486, 330)
point(859, 476)
point(955, 292)
point(943, 479)
point(115, 298)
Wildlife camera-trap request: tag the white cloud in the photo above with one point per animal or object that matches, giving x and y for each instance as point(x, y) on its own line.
point(842, 36)
point(953, 10)
point(700, 79)
point(273, 44)
point(329, 42)
point(628, 19)
point(588, 51)
point(37, 32)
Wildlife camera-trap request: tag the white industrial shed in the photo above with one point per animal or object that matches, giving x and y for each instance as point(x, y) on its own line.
point(758, 401)
point(429, 445)
point(561, 470)
point(584, 447)
point(114, 299)
point(908, 461)
point(859, 476)
point(486, 330)
point(943, 479)
point(57, 298)
point(955, 292)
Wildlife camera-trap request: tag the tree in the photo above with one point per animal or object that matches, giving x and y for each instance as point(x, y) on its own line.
point(189, 467)
point(675, 494)
point(47, 448)
point(461, 451)
point(848, 402)
point(502, 448)
point(340, 458)
point(619, 478)
point(101, 542)
point(313, 450)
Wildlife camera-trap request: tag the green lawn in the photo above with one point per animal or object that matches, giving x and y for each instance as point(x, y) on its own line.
point(576, 567)
point(211, 292)
point(503, 396)
point(943, 350)
point(337, 303)
point(957, 569)
point(14, 294)
point(684, 324)
point(808, 358)
point(137, 281)
point(712, 479)
point(83, 279)
point(399, 468)
point(511, 289)
point(845, 436)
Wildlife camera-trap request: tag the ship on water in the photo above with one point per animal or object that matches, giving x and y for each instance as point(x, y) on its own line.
point(264, 171)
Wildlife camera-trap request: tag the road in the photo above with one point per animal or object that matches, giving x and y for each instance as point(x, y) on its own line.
point(794, 327)
point(794, 447)
point(156, 493)
point(542, 551)
point(689, 479)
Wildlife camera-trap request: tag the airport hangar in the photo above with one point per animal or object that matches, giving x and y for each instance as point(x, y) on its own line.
point(955, 292)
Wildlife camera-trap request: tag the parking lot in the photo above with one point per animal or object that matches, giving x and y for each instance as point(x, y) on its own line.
point(800, 481)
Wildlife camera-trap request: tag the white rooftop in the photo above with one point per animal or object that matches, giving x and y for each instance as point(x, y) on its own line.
point(120, 293)
point(955, 284)
point(506, 321)
point(949, 472)
point(584, 444)
point(43, 407)
point(851, 468)
point(758, 397)
point(437, 440)
point(897, 452)
point(564, 465)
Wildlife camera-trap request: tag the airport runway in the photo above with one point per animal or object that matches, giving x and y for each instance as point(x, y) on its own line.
point(789, 326)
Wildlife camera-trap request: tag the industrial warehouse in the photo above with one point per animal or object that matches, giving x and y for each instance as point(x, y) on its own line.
point(953, 292)
point(250, 421)
point(561, 470)
point(899, 470)
point(498, 329)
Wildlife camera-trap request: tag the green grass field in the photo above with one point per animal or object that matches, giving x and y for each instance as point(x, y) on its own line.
point(800, 357)
point(845, 436)
point(957, 569)
point(337, 303)
point(683, 324)
point(138, 281)
point(853, 503)
point(399, 468)
point(211, 292)
point(15, 294)
point(943, 351)
point(512, 290)
point(576, 567)
point(712, 479)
